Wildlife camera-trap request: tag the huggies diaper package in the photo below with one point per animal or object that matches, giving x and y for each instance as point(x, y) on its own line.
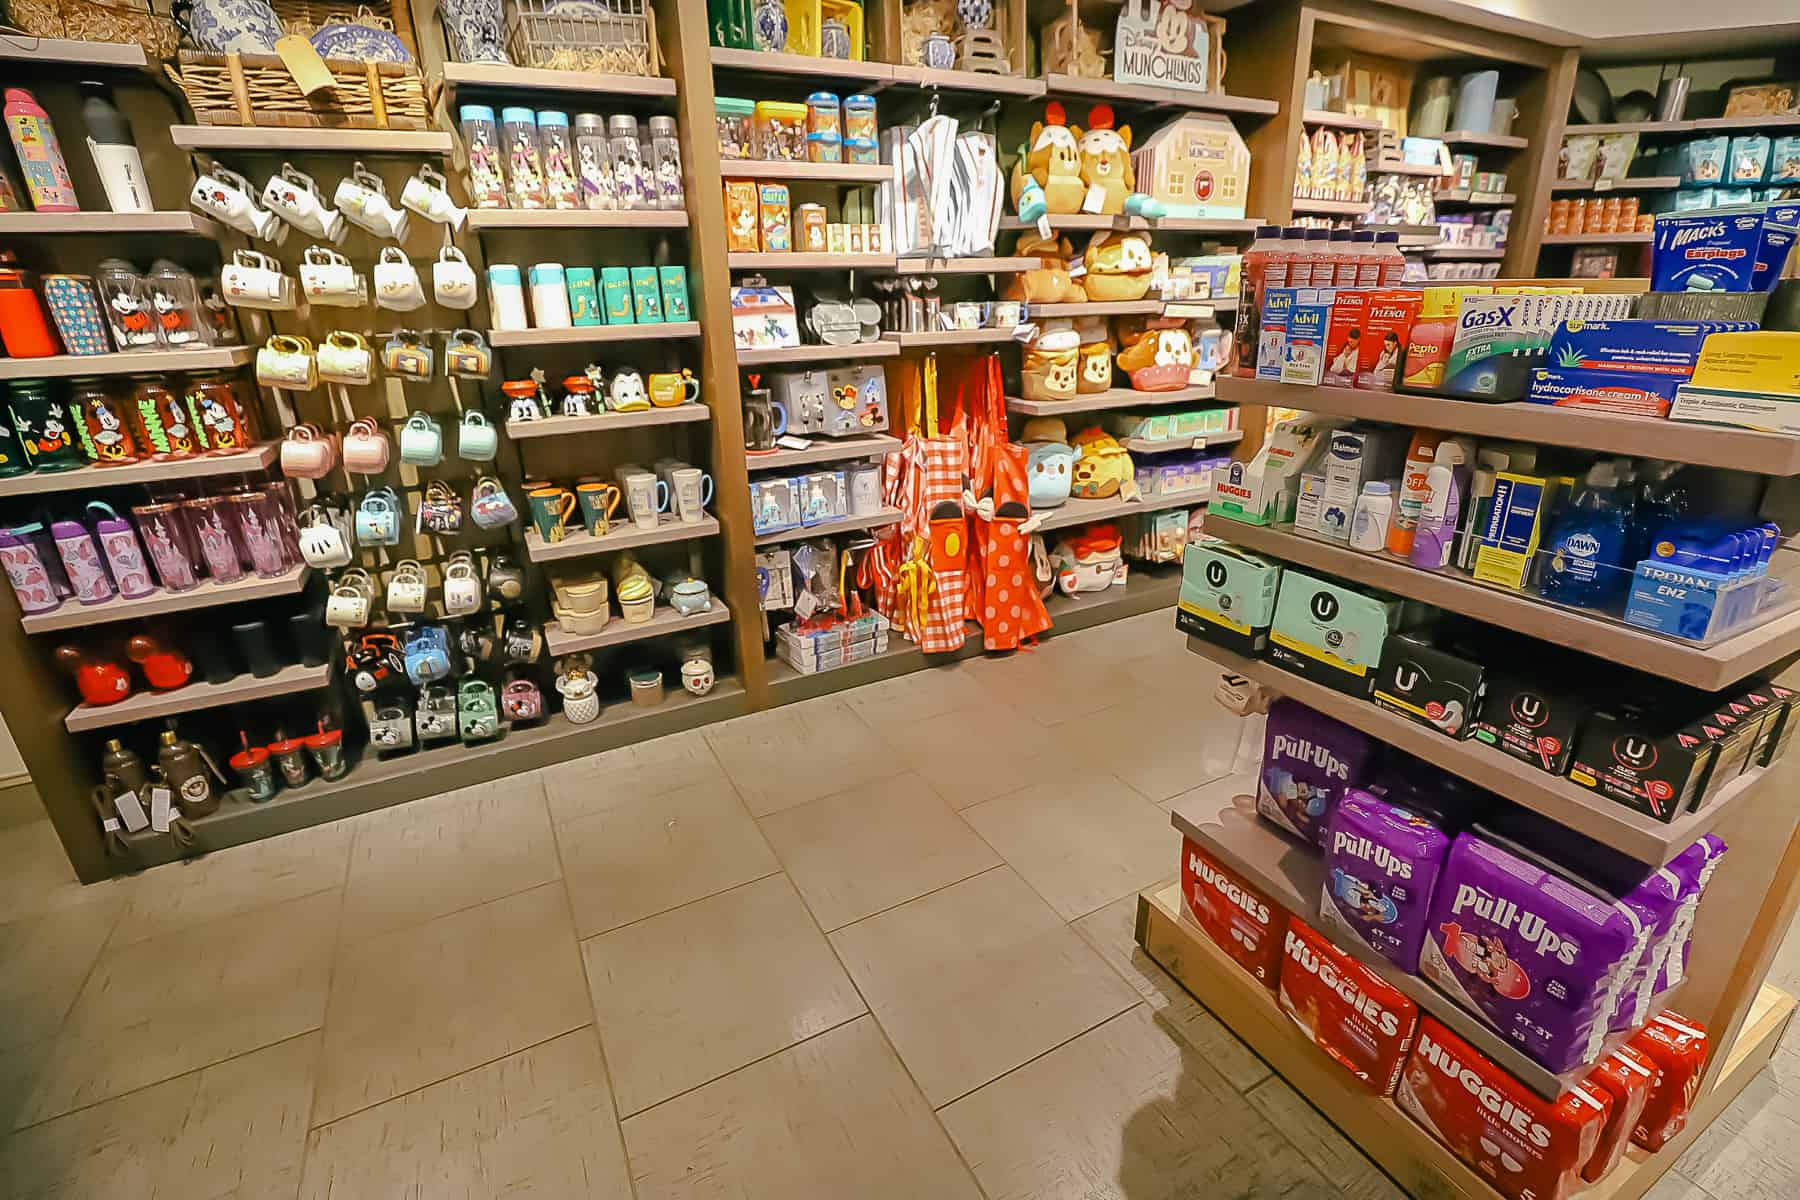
point(1236, 917)
point(1354, 1015)
point(1677, 1046)
point(1625, 1075)
point(1309, 761)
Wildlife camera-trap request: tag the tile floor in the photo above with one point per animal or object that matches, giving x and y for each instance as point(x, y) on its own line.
point(878, 945)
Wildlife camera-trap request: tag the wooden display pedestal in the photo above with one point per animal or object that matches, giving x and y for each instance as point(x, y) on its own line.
point(1417, 1161)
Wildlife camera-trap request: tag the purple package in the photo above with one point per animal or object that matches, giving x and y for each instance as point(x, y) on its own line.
point(1674, 964)
point(1381, 863)
point(1538, 957)
point(1308, 761)
point(1658, 900)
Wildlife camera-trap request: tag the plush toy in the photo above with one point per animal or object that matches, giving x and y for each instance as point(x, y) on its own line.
point(1050, 283)
point(1088, 560)
point(1049, 363)
point(1159, 357)
point(1103, 467)
point(1106, 168)
point(1046, 176)
point(1096, 355)
point(1119, 266)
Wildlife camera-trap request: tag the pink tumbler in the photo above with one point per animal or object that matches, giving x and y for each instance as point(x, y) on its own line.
point(166, 538)
point(80, 556)
point(218, 549)
point(124, 553)
point(32, 568)
point(258, 520)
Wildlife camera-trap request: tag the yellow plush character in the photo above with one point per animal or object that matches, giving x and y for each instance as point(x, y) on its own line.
point(1103, 467)
point(1106, 162)
point(1160, 357)
point(1049, 283)
point(1096, 355)
point(1118, 266)
point(1048, 366)
point(1047, 177)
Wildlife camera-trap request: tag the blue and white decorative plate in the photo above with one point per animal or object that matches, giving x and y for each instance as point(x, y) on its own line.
point(341, 37)
point(244, 26)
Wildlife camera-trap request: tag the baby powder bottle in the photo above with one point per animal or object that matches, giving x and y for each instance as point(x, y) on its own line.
point(1374, 510)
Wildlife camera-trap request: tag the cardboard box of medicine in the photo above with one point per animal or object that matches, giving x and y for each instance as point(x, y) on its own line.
point(1649, 347)
point(1343, 336)
point(1746, 410)
point(1309, 501)
point(1303, 350)
point(1391, 313)
point(1434, 332)
point(1262, 491)
point(1686, 602)
point(1515, 526)
point(1632, 392)
point(1433, 686)
point(1271, 333)
point(1227, 596)
point(1736, 729)
point(1764, 360)
point(1330, 633)
point(1636, 759)
point(1534, 723)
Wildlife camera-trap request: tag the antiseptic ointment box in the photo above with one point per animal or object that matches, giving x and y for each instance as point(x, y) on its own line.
point(1765, 360)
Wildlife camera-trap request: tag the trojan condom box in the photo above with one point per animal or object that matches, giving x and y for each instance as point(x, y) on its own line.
point(1354, 1015)
point(1235, 917)
point(1309, 761)
point(1227, 596)
point(1382, 861)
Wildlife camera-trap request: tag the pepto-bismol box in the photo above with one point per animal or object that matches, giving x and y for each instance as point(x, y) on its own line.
point(1227, 596)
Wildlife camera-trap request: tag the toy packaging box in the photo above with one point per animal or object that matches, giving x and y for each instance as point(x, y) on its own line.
point(1330, 633)
point(1235, 916)
point(1197, 166)
point(1382, 862)
point(1433, 686)
point(1522, 1144)
point(1363, 1022)
point(1227, 596)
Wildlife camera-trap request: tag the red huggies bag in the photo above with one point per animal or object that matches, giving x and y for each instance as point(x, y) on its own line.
point(1361, 1020)
point(1678, 1048)
point(1238, 919)
point(1626, 1075)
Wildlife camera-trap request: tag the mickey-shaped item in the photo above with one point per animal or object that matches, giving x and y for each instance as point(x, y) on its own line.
point(128, 307)
point(175, 297)
point(520, 641)
point(1046, 178)
point(1049, 282)
point(324, 542)
point(1119, 266)
point(99, 680)
point(1102, 468)
point(1088, 560)
point(374, 661)
point(436, 715)
point(391, 726)
point(477, 713)
point(427, 654)
point(578, 398)
point(1096, 357)
point(1106, 168)
point(833, 321)
point(1159, 357)
point(521, 699)
point(525, 397)
point(858, 400)
point(1049, 367)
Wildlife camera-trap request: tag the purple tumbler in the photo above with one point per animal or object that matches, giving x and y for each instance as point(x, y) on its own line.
point(124, 553)
point(32, 567)
point(80, 556)
point(166, 539)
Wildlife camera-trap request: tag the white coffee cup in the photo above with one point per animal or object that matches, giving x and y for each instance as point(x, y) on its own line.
point(645, 496)
point(252, 279)
point(428, 194)
point(229, 197)
point(294, 196)
point(453, 279)
point(397, 285)
point(363, 199)
point(326, 277)
point(693, 491)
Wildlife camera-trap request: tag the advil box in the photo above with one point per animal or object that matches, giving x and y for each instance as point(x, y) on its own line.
point(1626, 1075)
point(1360, 1019)
point(1678, 1048)
point(1529, 1148)
point(1240, 920)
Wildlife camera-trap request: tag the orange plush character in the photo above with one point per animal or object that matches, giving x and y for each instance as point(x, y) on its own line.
point(1160, 358)
point(1119, 266)
point(1050, 282)
point(1046, 177)
point(1106, 170)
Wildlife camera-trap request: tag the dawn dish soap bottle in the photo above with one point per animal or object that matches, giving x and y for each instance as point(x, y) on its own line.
point(1588, 544)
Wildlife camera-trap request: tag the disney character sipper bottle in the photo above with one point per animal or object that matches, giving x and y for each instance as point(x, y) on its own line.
point(124, 554)
point(40, 155)
point(81, 559)
point(115, 154)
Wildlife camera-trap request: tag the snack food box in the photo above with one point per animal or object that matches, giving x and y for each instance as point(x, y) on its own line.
point(1234, 915)
point(1363, 1022)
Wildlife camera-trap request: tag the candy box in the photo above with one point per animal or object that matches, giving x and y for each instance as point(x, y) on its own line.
point(1309, 761)
point(1236, 917)
point(1522, 1144)
point(1678, 1048)
point(1363, 1022)
point(1331, 633)
point(1625, 1075)
point(1381, 863)
point(1227, 596)
point(1433, 686)
point(1533, 953)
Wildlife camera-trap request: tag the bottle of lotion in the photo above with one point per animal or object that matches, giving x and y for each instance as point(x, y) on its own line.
point(115, 155)
point(1445, 485)
point(40, 157)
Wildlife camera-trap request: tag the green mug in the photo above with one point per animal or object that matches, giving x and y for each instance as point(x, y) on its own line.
point(599, 501)
point(551, 508)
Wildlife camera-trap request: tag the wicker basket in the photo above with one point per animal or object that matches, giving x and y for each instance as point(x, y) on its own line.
point(86, 21)
point(257, 89)
point(619, 42)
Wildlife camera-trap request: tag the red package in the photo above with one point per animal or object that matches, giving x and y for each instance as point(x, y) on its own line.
point(1343, 336)
point(1522, 1144)
point(1360, 1019)
point(1239, 919)
point(1678, 1048)
point(1390, 318)
point(1626, 1075)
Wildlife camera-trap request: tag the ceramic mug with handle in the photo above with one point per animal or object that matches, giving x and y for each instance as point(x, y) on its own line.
point(599, 501)
point(397, 285)
point(462, 586)
point(645, 496)
point(406, 587)
point(551, 509)
point(428, 194)
point(476, 438)
point(670, 389)
point(467, 356)
point(345, 357)
point(489, 505)
point(286, 361)
point(351, 598)
point(421, 441)
point(231, 198)
point(293, 195)
point(362, 198)
point(329, 279)
point(406, 356)
point(693, 491)
point(365, 447)
point(308, 452)
point(253, 279)
point(453, 279)
point(378, 518)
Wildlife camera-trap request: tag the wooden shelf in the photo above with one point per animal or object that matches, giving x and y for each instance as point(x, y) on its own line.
point(1707, 667)
point(34, 224)
point(482, 220)
point(1197, 224)
point(45, 52)
point(1100, 308)
point(1337, 120)
point(1630, 183)
point(1585, 429)
point(872, 445)
point(1466, 253)
point(1079, 512)
point(39, 483)
point(1554, 797)
point(1421, 1165)
point(1203, 441)
point(142, 706)
point(1570, 131)
point(251, 587)
point(143, 362)
point(1073, 222)
point(1059, 84)
point(1475, 199)
point(1496, 141)
point(1772, 121)
point(741, 260)
point(618, 631)
point(1332, 208)
point(550, 427)
point(1293, 875)
point(537, 79)
point(801, 64)
point(1016, 86)
point(1399, 167)
point(623, 535)
point(1113, 398)
point(578, 335)
point(805, 172)
point(282, 139)
point(886, 516)
point(1628, 237)
point(967, 266)
point(949, 337)
point(817, 354)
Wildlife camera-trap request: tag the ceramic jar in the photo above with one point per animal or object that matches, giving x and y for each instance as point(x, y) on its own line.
point(474, 28)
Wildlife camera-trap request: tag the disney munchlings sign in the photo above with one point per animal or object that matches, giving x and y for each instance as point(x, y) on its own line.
point(1163, 42)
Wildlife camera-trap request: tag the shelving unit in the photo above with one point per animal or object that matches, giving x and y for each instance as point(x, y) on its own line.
point(194, 696)
point(1476, 199)
point(483, 219)
point(284, 139)
point(807, 172)
point(583, 334)
point(39, 483)
point(993, 265)
point(35, 224)
point(1100, 308)
point(1332, 208)
point(550, 427)
point(950, 337)
point(506, 77)
point(744, 260)
point(208, 594)
point(1495, 141)
point(141, 362)
point(1626, 238)
point(1338, 120)
point(869, 445)
point(18, 47)
point(619, 631)
point(1102, 401)
point(887, 516)
point(817, 354)
point(1059, 84)
point(1629, 183)
point(762, 61)
point(624, 535)
point(1075, 511)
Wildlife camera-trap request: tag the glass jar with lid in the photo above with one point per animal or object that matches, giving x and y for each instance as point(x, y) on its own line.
point(216, 415)
point(629, 177)
point(101, 423)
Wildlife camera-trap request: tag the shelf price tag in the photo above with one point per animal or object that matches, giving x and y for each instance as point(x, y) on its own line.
point(159, 808)
point(1603, 185)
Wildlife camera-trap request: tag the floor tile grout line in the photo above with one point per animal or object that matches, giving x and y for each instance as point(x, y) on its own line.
point(581, 938)
point(191, 930)
point(337, 946)
point(87, 977)
point(1136, 1001)
point(902, 903)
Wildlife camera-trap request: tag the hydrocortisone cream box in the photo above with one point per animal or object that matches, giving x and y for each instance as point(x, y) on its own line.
point(1227, 596)
point(1330, 633)
point(1645, 347)
point(1630, 392)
